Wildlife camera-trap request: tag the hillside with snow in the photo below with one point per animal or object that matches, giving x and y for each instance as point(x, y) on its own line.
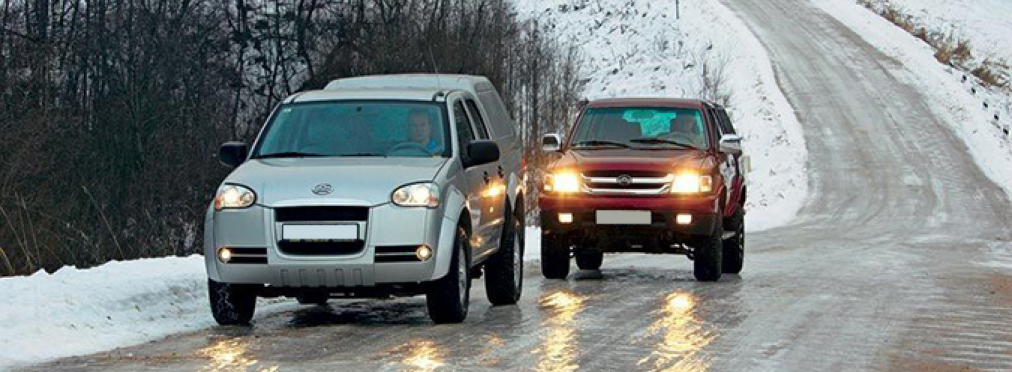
point(986, 24)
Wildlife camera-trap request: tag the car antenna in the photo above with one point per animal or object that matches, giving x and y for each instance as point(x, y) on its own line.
point(435, 68)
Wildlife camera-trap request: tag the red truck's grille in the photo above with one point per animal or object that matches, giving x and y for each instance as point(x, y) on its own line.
point(626, 182)
point(630, 173)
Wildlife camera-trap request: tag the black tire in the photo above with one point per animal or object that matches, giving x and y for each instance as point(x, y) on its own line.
point(707, 255)
point(554, 257)
point(734, 248)
point(447, 298)
point(589, 259)
point(504, 272)
point(231, 304)
point(313, 298)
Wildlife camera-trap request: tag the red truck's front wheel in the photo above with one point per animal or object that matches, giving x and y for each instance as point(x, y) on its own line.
point(708, 254)
point(554, 257)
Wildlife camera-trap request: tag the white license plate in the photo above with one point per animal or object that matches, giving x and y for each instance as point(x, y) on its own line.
point(623, 217)
point(319, 232)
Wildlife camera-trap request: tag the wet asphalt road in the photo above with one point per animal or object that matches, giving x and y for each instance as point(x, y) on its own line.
point(881, 271)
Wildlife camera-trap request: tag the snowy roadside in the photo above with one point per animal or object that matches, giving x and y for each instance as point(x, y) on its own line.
point(78, 312)
point(983, 23)
point(637, 48)
point(968, 108)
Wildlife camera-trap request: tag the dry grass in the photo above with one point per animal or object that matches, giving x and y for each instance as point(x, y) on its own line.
point(949, 49)
point(993, 73)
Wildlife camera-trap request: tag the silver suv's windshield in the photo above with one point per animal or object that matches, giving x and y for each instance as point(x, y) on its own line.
point(641, 127)
point(374, 128)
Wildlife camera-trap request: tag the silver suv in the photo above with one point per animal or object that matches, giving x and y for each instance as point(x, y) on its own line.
point(375, 186)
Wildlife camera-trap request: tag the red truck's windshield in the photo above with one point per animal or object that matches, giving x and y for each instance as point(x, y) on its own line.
point(634, 126)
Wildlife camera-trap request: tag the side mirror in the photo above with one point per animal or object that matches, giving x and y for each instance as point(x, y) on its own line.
point(551, 142)
point(233, 153)
point(481, 152)
point(731, 144)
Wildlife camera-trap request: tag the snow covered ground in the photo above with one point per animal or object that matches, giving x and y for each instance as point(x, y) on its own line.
point(74, 312)
point(987, 24)
point(968, 107)
point(637, 48)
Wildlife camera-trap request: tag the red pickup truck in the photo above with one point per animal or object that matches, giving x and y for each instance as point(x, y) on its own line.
point(647, 176)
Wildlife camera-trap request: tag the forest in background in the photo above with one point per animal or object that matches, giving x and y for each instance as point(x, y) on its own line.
point(112, 111)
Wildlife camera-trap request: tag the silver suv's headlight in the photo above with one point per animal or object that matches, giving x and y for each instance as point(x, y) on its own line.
point(416, 195)
point(234, 197)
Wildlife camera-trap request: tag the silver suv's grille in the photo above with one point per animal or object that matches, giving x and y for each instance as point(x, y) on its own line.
point(626, 184)
point(311, 214)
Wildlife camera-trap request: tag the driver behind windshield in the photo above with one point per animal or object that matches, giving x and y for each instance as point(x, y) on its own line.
point(420, 125)
point(688, 127)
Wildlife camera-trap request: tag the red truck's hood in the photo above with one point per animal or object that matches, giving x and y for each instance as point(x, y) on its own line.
point(634, 159)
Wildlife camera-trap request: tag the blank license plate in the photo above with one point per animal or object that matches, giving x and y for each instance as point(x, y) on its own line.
point(623, 217)
point(319, 232)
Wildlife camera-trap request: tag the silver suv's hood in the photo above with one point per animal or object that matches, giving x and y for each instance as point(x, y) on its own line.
point(355, 181)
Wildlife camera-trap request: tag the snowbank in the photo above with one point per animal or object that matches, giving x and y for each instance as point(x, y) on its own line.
point(78, 312)
point(638, 48)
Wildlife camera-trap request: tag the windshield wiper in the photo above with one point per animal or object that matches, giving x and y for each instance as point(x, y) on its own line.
point(599, 143)
point(362, 154)
point(289, 154)
point(661, 141)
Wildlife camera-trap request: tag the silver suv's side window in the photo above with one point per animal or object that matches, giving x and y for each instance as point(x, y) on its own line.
point(472, 108)
point(464, 132)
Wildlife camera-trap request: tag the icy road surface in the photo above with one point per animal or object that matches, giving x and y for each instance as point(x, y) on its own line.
point(881, 271)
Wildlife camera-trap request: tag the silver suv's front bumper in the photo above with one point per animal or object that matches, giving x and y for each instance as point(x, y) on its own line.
point(387, 226)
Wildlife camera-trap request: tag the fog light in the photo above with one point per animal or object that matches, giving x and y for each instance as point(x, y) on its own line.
point(423, 253)
point(225, 255)
point(566, 217)
point(683, 219)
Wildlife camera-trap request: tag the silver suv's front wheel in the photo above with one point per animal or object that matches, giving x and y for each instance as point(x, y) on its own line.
point(448, 298)
point(505, 271)
point(231, 304)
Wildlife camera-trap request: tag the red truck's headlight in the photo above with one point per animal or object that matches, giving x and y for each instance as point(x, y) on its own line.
point(691, 183)
point(562, 182)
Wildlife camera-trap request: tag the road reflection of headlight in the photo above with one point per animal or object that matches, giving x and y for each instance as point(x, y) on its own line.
point(560, 340)
point(420, 355)
point(230, 355)
point(682, 336)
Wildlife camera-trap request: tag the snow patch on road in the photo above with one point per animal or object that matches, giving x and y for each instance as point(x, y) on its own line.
point(637, 48)
point(78, 312)
point(958, 103)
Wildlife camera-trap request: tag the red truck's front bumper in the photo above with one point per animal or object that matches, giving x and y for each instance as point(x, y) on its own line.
point(663, 225)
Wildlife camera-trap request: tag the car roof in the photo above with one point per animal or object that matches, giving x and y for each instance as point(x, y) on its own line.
point(413, 81)
point(649, 102)
point(412, 94)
